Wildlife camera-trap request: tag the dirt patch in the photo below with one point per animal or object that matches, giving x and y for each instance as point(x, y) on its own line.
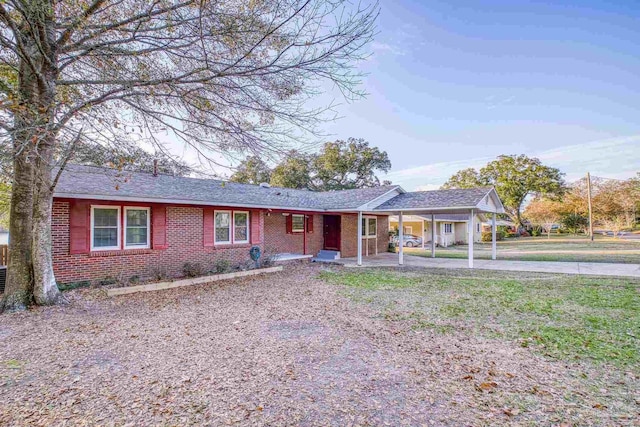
point(287, 349)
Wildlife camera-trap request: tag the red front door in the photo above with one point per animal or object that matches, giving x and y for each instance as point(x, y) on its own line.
point(332, 232)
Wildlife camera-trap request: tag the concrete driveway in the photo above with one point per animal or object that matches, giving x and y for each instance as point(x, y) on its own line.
point(586, 268)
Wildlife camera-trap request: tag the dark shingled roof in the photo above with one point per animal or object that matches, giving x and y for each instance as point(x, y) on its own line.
point(105, 183)
point(455, 198)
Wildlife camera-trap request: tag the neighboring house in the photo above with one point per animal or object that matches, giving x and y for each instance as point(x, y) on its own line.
point(107, 223)
point(450, 229)
point(508, 225)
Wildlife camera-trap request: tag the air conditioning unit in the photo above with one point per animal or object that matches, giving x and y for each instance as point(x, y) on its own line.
point(3, 278)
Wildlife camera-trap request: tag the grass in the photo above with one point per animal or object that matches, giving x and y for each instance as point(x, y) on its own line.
point(570, 318)
point(561, 248)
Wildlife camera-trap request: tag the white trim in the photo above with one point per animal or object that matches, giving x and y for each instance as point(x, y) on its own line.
point(134, 208)
point(225, 242)
point(118, 226)
point(366, 227)
point(248, 227)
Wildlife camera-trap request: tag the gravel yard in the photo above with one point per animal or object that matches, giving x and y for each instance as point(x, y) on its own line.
point(282, 349)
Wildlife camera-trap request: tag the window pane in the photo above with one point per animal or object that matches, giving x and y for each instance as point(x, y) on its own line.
point(137, 218)
point(105, 217)
point(373, 226)
point(222, 219)
point(364, 226)
point(297, 222)
point(105, 237)
point(240, 219)
point(240, 233)
point(222, 234)
point(136, 236)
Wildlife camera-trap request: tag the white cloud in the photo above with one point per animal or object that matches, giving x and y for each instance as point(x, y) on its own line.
point(611, 158)
point(380, 47)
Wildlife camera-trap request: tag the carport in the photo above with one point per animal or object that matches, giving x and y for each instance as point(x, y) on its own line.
point(472, 201)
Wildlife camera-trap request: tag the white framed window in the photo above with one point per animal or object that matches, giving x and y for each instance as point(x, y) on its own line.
point(240, 227)
point(222, 227)
point(105, 228)
point(408, 229)
point(448, 228)
point(297, 223)
point(372, 227)
point(136, 228)
point(369, 226)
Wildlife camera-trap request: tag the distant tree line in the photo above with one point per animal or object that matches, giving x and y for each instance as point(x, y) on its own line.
point(338, 165)
point(615, 206)
point(521, 182)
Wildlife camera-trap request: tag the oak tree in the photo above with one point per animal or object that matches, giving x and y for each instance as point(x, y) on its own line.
point(514, 177)
point(252, 170)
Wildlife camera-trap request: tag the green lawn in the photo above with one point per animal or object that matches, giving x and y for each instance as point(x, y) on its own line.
point(573, 318)
point(557, 248)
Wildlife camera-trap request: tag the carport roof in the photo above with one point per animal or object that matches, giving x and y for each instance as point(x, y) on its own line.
point(454, 199)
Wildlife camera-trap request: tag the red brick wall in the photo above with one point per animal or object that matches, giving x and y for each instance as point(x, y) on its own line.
point(185, 239)
point(350, 242)
point(276, 239)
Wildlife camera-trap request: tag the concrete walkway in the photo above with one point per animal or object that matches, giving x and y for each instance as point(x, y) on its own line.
point(586, 268)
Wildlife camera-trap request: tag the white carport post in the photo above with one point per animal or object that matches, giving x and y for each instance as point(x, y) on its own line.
point(359, 262)
point(433, 236)
point(400, 240)
point(422, 234)
point(493, 237)
point(470, 231)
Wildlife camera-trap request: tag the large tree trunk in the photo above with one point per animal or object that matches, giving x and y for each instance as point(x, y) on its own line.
point(30, 276)
point(45, 289)
point(19, 287)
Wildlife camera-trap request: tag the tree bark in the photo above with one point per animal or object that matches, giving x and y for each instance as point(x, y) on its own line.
point(30, 277)
point(19, 287)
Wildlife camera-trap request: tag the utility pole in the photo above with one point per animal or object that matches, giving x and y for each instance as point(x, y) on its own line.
point(589, 201)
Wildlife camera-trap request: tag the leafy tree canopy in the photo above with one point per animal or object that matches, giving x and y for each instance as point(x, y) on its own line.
point(514, 177)
point(339, 165)
point(252, 170)
point(465, 178)
point(292, 172)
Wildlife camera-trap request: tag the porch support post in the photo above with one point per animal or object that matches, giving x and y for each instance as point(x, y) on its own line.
point(360, 238)
point(470, 238)
point(422, 234)
point(400, 240)
point(433, 236)
point(493, 237)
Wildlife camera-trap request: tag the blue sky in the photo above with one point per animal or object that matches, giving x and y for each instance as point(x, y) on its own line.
point(453, 84)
